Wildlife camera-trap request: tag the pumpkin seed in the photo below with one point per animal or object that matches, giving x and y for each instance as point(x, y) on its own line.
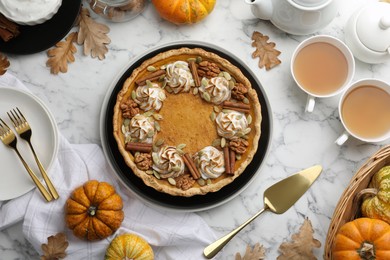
point(234, 80)
point(231, 85)
point(245, 137)
point(161, 78)
point(157, 126)
point(172, 181)
point(201, 182)
point(226, 75)
point(149, 84)
point(195, 91)
point(157, 117)
point(169, 89)
point(163, 67)
point(216, 109)
point(156, 174)
point(164, 84)
point(151, 69)
point(123, 129)
point(209, 181)
point(191, 59)
point(223, 142)
point(149, 113)
point(128, 139)
point(216, 142)
point(238, 156)
point(204, 82)
point(199, 59)
point(212, 116)
point(150, 133)
point(159, 142)
point(225, 111)
point(247, 130)
point(155, 158)
point(179, 151)
point(126, 122)
point(249, 119)
point(155, 148)
point(181, 146)
point(245, 101)
point(176, 168)
point(206, 96)
point(220, 74)
point(133, 95)
point(149, 172)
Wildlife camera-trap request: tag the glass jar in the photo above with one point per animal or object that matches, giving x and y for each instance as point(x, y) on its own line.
point(117, 10)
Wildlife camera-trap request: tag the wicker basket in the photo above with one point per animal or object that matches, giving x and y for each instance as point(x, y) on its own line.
point(347, 208)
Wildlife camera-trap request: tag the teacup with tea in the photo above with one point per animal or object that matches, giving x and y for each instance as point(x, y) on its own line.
point(322, 66)
point(364, 110)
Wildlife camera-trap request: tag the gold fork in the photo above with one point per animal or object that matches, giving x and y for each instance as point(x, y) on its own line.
point(23, 128)
point(8, 138)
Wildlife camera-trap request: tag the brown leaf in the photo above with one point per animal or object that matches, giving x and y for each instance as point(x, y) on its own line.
point(4, 64)
point(93, 35)
point(257, 253)
point(265, 51)
point(55, 247)
point(62, 54)
point(301, 245)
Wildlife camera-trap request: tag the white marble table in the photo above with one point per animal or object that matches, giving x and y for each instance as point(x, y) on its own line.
point(299, 139)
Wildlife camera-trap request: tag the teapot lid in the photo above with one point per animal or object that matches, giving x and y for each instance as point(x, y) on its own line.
point(310, 3)
point(373, 27)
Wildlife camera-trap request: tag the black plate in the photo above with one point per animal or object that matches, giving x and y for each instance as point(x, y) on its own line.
point(197, 202)
point(36, 38)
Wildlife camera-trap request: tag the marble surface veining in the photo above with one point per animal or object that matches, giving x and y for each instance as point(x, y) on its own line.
point(299, 139)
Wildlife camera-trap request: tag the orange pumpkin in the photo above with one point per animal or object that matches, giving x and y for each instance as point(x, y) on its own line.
point(94, 211)
point(363, 239)
point(184, 11)
point(129, 246)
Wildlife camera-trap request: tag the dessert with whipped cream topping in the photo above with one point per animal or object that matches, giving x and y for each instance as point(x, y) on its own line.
point(29, 12)
point(187, 122)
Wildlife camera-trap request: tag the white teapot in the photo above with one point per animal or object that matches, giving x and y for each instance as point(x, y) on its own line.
point(367, 33)
point(296, 16)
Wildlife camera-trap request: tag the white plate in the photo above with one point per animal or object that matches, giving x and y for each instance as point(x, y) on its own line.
point(14, 179)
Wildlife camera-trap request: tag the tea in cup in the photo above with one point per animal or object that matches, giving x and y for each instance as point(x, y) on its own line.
point(322, 66)
point(365, 111)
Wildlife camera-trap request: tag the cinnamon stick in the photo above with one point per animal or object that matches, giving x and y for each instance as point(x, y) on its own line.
point(191, 166)
point(139, 147)
point(226, 157)
point(232, 161)
point(194, 71)
point(236, 105)
point(152, 76)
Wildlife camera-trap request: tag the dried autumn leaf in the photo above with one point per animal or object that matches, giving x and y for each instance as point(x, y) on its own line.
point(93, 35)
point(62, 54)
point(55, 247)
point(301, 245)
point(265, 51)
point(4, 64)
point(257, 253)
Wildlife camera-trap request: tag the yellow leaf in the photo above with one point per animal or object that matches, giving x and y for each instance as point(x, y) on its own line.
point(265, 51)
point(93, 35)
point(62, 54)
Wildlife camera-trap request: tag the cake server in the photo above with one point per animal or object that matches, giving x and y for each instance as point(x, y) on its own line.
point(278, 198)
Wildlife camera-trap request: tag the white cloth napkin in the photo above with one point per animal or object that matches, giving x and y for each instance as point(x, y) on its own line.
point(172, 235)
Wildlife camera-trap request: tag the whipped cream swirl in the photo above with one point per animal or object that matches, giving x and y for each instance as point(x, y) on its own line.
point(231, 124)
point(217, 88)
point(179, 77)
point(168, 162)
point(150, 97)
point(210, 162)
point(141, 129)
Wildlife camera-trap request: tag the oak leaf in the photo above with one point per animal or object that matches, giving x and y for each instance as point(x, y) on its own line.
point(4, 64)
point(265, 51)
point(257, 253)
point(93, 36)
point(301, 245)
point(55, 247)
point(62, 54)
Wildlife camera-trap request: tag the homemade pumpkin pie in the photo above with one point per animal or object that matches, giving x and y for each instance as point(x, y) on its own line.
point(187, 122)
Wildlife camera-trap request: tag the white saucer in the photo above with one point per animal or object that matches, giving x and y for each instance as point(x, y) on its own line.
point(14, 179)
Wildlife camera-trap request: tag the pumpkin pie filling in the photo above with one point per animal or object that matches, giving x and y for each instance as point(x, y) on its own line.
point(187, 122)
